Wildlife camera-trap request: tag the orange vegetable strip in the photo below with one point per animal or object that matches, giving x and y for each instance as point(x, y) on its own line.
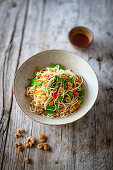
point(37, 80)
point(75, 85)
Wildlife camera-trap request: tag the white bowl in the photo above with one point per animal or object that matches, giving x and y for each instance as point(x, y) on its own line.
point(70, 61)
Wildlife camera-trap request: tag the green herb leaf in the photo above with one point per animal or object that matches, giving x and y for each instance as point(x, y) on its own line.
point(60, 66)
point(60, 98)
point(77, 84)
point(32, 82)
point(65, 83)
point(56, 106)
point(80, 91)
point(51, 65)
point(53, 84)
point(55, 78)
point(51, 108)
point(64, 101)
point(49, 69)
point(57, 83)
point(81, 99)
point(70, 95)
point(72, 79)
point(49, 85)
point(66, 76)
point(49, 111)
point(41, 71)
point(39, 83)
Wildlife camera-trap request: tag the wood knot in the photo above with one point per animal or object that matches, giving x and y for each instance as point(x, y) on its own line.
point(13, 4)
point(110, 94)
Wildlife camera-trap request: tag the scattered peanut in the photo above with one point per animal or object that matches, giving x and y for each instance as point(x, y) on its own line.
point(57, 101)
point(40, 146)
point(20, 148)
point(17, 144)
point(78, 78)
point(62, 109)
point(20, 130)
point(61, 90)
point(76, 94)
point(27, 145)
point(40, 111)
point(26, 159)
point(67, 99)
point(17, 135)
point(73, 109)
point(43, 138)
point(46, 147)
point(69, 85)
point(30, 141)
point(64, 77)
point(51, 102)
point(55, 162)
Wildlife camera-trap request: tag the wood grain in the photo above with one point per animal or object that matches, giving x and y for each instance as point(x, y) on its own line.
point(28, 27)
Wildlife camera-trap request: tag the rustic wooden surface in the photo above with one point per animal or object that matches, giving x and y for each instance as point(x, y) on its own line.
point(28, 27)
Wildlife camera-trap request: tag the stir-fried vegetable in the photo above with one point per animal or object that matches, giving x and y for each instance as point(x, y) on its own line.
point(51, 108)
point(80, 91)
point(70, 95)
point(52, 66)
point(55, 83)
point(34, 82)
point(55, 94)
point(60, 66)
point(81, 94)
point(81, 99)
point(57, 88)
point(72, 79)
point(60, 98)
point(41, 71)
point(66, 76)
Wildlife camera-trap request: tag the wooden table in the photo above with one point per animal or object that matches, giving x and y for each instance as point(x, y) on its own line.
point(28, 27)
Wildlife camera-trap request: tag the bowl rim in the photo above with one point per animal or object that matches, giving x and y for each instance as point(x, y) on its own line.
point(45, 52)
point(79, 47)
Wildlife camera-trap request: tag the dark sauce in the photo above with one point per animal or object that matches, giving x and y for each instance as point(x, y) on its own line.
point(80, 40)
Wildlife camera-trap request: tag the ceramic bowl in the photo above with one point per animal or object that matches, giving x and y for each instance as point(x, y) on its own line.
point(83, 31)
point(70, 61)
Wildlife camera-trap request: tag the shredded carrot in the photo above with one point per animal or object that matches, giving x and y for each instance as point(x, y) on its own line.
point(38, 92)
point(55, 69)
point(37, 80)
point(77, 104)
point(45, 75)
point(75, 85)
point(39, 75)
point(48, 76)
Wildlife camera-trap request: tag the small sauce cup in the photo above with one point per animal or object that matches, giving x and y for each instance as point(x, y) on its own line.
point(80, 37)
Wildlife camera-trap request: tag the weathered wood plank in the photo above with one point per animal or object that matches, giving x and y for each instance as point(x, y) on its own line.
point(87, 143)
point(9, 61)
point(19, 35)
